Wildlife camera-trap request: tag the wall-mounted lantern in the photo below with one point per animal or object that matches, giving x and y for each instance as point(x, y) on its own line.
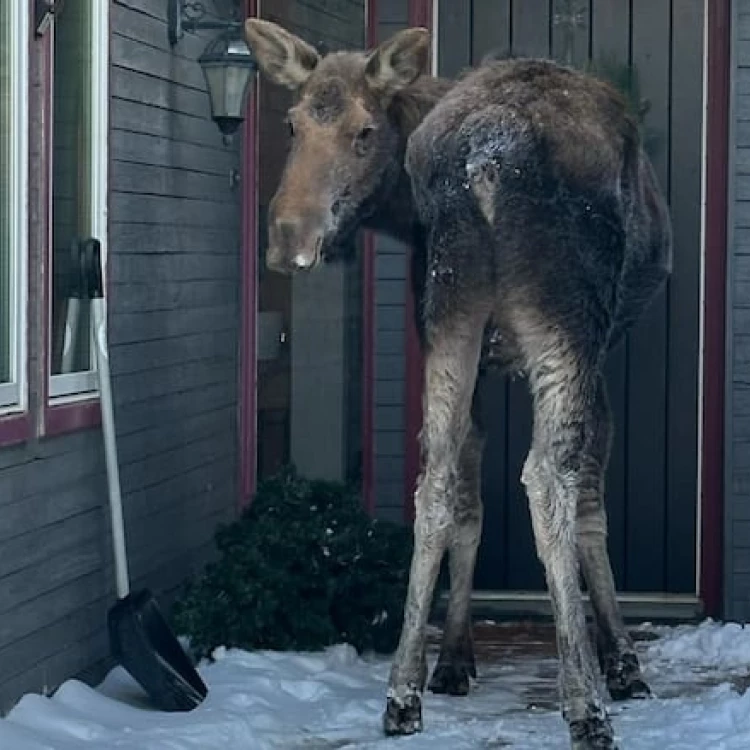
point(227, 62)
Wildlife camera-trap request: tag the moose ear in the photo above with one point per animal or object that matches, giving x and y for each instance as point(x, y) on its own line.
point(399, 61)
point(282, 56)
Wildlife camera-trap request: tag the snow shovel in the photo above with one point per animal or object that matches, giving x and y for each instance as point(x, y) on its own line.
point(140, 638)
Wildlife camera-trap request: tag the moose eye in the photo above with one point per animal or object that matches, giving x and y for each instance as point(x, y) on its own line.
point(364, 139)
point(290, 127)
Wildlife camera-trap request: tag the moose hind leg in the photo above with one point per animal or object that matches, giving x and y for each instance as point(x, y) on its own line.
point(617, 657)
point(554, 478)
point(452, 356)
point(456, 663)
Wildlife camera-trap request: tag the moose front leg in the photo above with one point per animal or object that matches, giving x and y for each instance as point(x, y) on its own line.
point(450, 372)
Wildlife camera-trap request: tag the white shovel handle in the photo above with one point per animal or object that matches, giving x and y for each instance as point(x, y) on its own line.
point(99, 322)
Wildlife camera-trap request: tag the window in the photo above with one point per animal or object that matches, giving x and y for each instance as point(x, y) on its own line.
point(79, 194)
point(13, 216)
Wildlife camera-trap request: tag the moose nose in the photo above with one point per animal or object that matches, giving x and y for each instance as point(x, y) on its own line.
point(293, 248)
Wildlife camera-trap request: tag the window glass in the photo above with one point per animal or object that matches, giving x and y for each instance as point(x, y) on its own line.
point(12, 211)
point(5, 179)
point(70, 337)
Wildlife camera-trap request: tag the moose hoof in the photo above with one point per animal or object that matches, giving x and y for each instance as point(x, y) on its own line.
point(451, 679)
point(624, 680)
point(403, 715)
point(593, 733)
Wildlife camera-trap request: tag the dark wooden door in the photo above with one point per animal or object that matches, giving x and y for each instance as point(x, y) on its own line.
point(652, 488)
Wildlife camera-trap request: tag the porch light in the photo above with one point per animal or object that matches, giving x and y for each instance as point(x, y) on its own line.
point(227, 62)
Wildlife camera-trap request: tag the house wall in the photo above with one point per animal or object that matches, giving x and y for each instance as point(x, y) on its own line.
point(737, 454)
point(174, 313)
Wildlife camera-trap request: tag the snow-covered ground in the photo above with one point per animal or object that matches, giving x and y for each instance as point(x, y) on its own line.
point(329, 700)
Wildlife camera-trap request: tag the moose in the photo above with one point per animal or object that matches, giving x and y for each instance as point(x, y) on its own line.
point(539, 234)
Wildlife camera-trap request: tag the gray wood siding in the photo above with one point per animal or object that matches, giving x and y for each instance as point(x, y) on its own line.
point(737, 485)
point(391, 269)
point(174, 313)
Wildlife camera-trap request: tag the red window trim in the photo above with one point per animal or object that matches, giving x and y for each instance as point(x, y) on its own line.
point(420, 14)
point(67, 416)
point(44, 418)
point(15, 428)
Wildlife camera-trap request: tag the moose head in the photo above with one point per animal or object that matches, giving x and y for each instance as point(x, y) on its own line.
point(347, 138)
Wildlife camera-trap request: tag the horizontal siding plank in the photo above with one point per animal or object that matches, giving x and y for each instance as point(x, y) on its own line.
point(70, 660)
point(177, 489)
point(139, 148)
point(188, 212)
point(142, 415)
point(389, 342)
point(389, 443)
point(140, 387)
point(167, 436)
point(149, 325)
point(389, 418)
point(389, 468)
point(61, 471)
point(39, 545)
point(390, 318)
point(172, 295)
point(147, 29)
point(156, 63)
point(152, 119)
point(37, 614)
point(136, 237)
point(151, 355)
point(148, 470)
point(157, 94)
point(391, 495)
point(389, 393)
point(81, 624)
point(390, 367)
point(146, 179)
point(75, 561)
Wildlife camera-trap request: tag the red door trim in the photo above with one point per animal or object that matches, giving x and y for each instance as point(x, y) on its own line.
point(368, 325)
point(420, 14)
point(715, 269)
point(247, 421)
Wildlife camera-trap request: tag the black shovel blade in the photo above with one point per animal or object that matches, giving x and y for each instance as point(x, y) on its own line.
point(144, 644)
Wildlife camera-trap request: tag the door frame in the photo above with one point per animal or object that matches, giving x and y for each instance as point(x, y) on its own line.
point(710, 506)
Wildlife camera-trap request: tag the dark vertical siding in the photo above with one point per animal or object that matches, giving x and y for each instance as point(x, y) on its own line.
point(647, 342)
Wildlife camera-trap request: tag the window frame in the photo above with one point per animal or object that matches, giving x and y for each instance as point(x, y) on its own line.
point(14, 394)
point(72, 399)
